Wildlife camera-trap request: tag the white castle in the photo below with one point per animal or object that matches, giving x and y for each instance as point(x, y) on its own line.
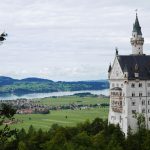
point(129, 79)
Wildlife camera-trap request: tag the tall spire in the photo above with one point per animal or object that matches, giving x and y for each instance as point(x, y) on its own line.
point(136, 26)
point(117, 52)
point(137, 40)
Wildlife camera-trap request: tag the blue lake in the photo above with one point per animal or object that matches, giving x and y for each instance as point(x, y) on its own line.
point(42, 95)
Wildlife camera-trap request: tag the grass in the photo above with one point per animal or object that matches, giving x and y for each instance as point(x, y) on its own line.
point(45, 121)
point(71, 99)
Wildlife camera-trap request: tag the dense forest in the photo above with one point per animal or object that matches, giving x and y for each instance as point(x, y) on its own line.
point(38, 85)
point(96, 135)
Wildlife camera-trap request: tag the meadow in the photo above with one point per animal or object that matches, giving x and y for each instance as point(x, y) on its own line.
point(63, 117)
point(65, 100)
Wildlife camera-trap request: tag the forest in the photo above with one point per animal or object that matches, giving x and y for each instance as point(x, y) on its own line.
point(38, 85)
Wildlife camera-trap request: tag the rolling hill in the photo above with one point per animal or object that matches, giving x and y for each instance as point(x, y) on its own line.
point(38, 85)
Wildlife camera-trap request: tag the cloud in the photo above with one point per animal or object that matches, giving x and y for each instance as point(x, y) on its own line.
point(67, 39)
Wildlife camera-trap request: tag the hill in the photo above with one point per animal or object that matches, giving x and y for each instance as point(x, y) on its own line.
point(38, 85)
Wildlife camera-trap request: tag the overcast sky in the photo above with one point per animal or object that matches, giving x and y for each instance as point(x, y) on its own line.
point(67, 39)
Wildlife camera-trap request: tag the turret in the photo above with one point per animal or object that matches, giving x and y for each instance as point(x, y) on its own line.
point(137, 40)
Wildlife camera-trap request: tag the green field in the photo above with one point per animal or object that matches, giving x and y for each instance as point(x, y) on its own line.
point(72, 99)
point(45, 121)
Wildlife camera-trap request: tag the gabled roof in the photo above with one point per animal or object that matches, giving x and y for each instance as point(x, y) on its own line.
point(129, 63)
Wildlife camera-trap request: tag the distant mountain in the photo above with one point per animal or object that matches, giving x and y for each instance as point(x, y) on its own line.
point(38, 85)
point(6, 80)
point(35, 80)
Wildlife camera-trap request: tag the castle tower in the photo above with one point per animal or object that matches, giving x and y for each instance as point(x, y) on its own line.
point(137, 40)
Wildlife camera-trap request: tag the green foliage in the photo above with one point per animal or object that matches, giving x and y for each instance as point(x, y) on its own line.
point(140, 121)
point(22, 146)
point(6, 113)
point(36, 85)
point(96, 135)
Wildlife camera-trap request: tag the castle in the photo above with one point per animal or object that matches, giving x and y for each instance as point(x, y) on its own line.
point(129, 79)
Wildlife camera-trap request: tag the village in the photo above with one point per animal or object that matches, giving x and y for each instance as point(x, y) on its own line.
point(32, 106)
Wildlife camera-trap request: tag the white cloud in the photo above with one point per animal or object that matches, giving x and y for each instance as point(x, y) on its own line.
point(67, 39)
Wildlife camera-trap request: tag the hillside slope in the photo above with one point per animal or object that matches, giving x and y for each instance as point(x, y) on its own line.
point(38, 85)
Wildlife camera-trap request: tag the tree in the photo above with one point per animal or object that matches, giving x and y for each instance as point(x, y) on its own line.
point(6, 112)
point(58, 142)
point(2, 36)
point(82, 140)
point(146, 143)
point(140, 121)
point(97, 125)
point(22, 146)
point(140, 135)
point(99, 141)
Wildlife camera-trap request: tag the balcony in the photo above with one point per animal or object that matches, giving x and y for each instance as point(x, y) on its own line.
point(117, 109)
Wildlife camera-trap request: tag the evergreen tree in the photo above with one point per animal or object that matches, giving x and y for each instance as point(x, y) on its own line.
point(22, 146)
point(6, 112)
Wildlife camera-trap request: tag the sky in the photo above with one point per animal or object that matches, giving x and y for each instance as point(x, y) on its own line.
point(67, 40)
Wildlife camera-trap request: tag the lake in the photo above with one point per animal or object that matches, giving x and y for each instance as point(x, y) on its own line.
point(42, 95)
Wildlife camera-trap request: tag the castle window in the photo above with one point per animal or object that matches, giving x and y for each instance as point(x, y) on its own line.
point(120, 119)
point(113, 118)
point(148, 84)
point(133, 94)
point(133, 103)
point(140, 94)
point(132, 85)
point(149, 102)
point(120, 103)
point(133, 111)
point(149, 118)
point(143, 102)
point(148, 110)
point(125, 82)
point(140, 84)
point(143, 110)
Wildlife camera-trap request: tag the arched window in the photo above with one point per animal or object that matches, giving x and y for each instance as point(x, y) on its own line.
point(132, 85)
point(140, 94)
point(140, 84)
point(133, 94)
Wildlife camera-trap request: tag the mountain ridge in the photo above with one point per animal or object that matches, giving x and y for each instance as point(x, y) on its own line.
point(9, 85)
